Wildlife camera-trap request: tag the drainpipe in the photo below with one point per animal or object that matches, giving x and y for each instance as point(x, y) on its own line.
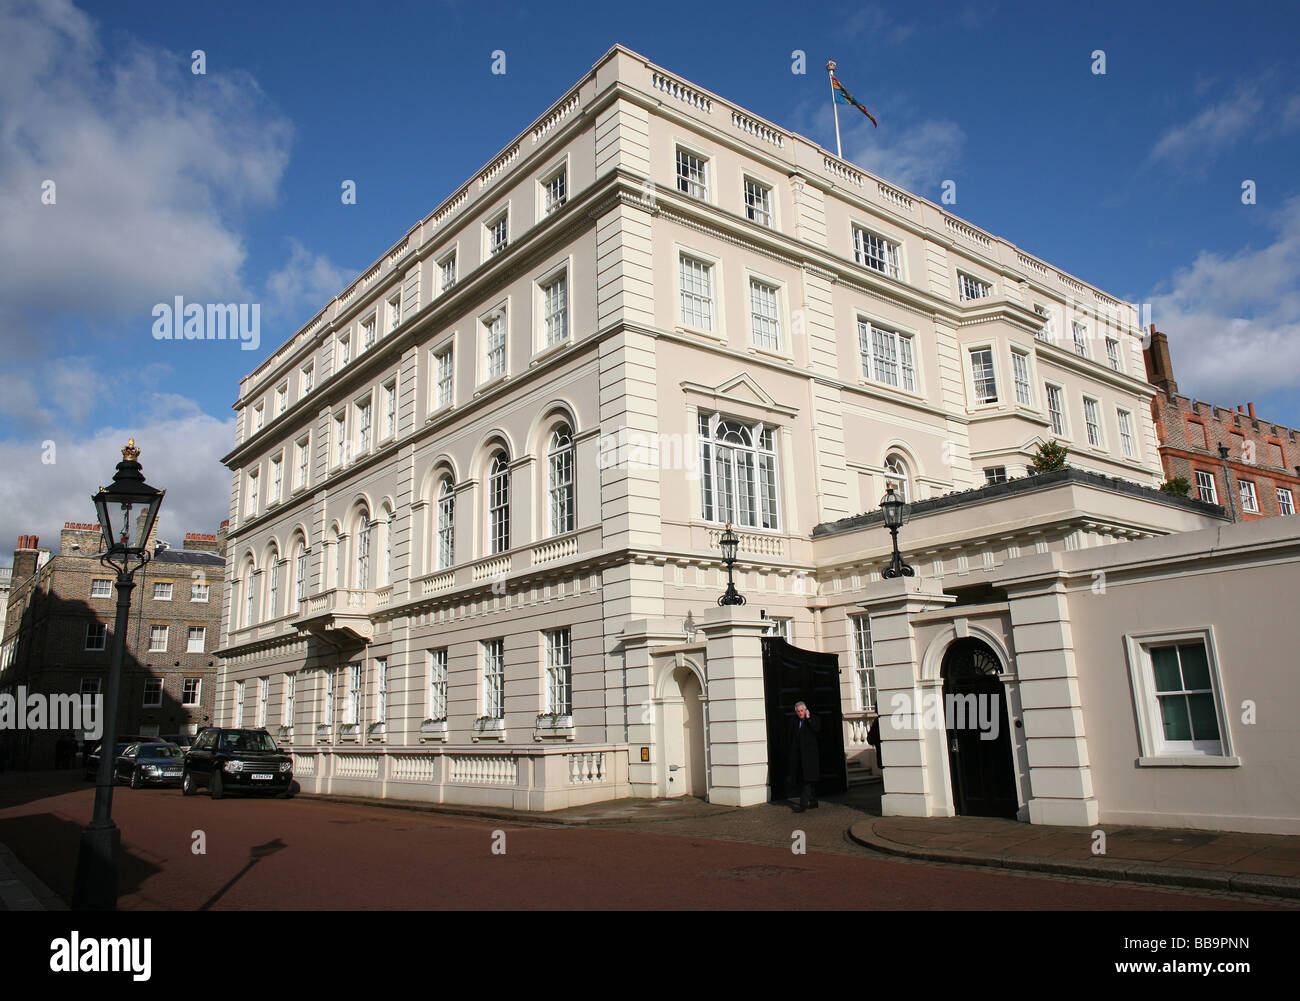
point(1227, 481)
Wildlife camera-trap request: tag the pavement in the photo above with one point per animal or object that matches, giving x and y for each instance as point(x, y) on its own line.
point(22, 891)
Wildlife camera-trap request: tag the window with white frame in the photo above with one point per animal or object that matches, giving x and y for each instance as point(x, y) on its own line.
point(1056, 409)
point(259, 417)
point(1285, 502)
point(1179, 697)
point(764, 312)
point(367, 333)
point(158, 638)
point(758, 202)
point(96, 635)
point(559, 677)
point(200, 592)
point(498, 234)
point(239, 703)
point(1092, 421)
point(738, 472)
point(873, 251)
point(886, 355)
point(443, 378)
point(697, 293)
point(191, 691)
point(344, 349)
point(986, 383)
point(273, 591)
point(499, 504)
point(1020, 376)
point(302, 453)
point(340, 438)
point(308, 378)
point(555, 309)
point(447, 272)
point(162, 591)
point(494, 345)
point(300, 575)
point(329, 678)
point(363, 424)
point(153, 691)
point(995, 474)
point(250, 596)
point(390, 408)
point(277, 480)
point(362, 572)
point(101, 588)
point(263, 700)
point(196, 640)
point(559, 465)
point(437, 708)
point(281, 398)
point(864, 667)
point(290, 699)
point(896, 473)
point(1112, 353)
point(1047, 331)
point(692, 174)
point(1126, 442)
point(969, 287)
point(352, 708)
point(494, 678)
point(394, 313)
point(1205, 487)
point(779, 627)
point(1080, 339)
point(446, 524)
point(381, 689)
point(1248, 501)
point(555, 191)
point(250, 506)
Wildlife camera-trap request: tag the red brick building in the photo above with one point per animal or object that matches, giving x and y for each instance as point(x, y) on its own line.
point(1263, 458)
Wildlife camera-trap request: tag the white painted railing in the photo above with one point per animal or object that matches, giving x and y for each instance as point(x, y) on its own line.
point(555, 117)
point(758, 545)
point(357, 766)
point(967, 232)
point(438, 582)
point(554, 549)
point(758, 129)
point(687, 95)
point(499, 164)
point(586, 767)
point(484, 769)
point(414, 767)
point(492, 568)
point(838, 168)
point(895, 197)
point(1032, 264)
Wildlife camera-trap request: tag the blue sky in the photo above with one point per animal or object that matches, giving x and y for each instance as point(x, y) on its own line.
point(225, 186)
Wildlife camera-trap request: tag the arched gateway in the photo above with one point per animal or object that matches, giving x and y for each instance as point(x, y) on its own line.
point(978, 731)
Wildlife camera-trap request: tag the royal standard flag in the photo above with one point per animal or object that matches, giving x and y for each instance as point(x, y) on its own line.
point(842, 94)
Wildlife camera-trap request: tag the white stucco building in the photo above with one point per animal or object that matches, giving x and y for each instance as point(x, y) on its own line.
point(477, 500)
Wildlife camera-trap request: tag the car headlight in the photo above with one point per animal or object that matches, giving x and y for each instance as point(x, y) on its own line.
point(234, 766)
point(285, 765)
point(151, 769)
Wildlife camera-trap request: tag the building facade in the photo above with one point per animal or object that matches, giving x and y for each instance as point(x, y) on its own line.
point(476, 501)
point(58, 634)
point(1260, 475)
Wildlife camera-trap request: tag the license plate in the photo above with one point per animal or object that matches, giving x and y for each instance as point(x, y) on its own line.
point(172, 773)
point(262, 778)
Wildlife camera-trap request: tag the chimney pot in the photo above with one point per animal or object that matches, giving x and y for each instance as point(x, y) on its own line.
point(1250, 409)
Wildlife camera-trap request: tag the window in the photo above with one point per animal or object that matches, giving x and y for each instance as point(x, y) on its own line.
point(158, 638)
point(446, 524)
point(381, 689)
point(1205, 488)
point(308, 378)
point(443, 385)
point(281, 398)
point(555, 310)
point(1183, 691)
point(738, 472)
point(559, 461)
point(196, 641)
point(697, 293)
point(494, 345)
point(363, 425)
point(995, 474)
point(277, 480)
point(352, 708)
point(199, 592)
point(1047, 331)
point(96, 635)
point(499, 504)
point(874, 251)
point(101, 588)
point(447, 272)
point(162, 591)
point(1126, 433)
point(250, 507)
point(1112, 353)
point(330, 679)
point(864, 664)
point(367, 334)
point(191, 691)
point(1020, 375)
point(896, 473)
point(554, 191)
point(259, 417)
point(153, 689)
point(986, 385)
point(1196, 435)
point(498, 232)
point(345, 350)
point(1080, 339)
point(89, 689)
point(263, 697)
point(692, 175)
point(758, 202)
point(764, 313)
point(390, 409)
point(559, 679)
point(1247, 490)
point(394, 313)
point(494, 679)
point(437, 708)
point(290, 699)
point(1056, 409)
point(970, 287)
point(250, 597)
point(779, 628)
point(1285, 502)
point(300, 576)
point(273, 595)
point(1092, 419)
point(362, 575)
point(301, 454)
point(886, 356)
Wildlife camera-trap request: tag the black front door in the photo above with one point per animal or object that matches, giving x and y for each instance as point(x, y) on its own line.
point(793, 675)
point(978, 732)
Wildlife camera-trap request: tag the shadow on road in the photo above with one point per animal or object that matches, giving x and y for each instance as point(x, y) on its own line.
point(255, 855)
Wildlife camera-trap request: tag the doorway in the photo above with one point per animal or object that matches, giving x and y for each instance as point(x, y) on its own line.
point(682, 736)
point(978, 731)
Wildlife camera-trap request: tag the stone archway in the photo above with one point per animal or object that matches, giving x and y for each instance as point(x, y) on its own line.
point(978, 731)
point(681, 734)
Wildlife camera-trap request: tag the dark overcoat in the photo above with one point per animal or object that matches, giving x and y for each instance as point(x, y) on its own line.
point(805, 760)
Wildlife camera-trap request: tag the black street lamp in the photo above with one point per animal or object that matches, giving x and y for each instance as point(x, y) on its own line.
point(1224, 452)
point(729, 544)
point(896, 512)
point(127, 511)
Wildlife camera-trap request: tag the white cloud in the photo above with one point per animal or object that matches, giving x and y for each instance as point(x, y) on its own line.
point(874, 23)
point(1234, 320)
point(1214, 129)
point(916, 157)
point(304, 284)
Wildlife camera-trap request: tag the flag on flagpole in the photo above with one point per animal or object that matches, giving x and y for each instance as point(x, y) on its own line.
point(843, 95)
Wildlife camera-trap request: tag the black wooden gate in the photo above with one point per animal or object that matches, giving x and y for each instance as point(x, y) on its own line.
point(983, 775)
point(793, 675)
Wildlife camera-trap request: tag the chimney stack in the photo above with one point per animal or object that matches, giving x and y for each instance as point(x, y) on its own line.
point(26, 557)
point(197, 542)
point(1250, 409)
point(1159, 363)
point(221, 537)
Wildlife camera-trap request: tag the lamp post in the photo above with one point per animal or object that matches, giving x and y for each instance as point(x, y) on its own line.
point(896, 511)
point(127, 510)
point(1224, 452)
point(729, 544)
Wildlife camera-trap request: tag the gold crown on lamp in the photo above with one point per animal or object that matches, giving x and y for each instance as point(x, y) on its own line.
point(129, 452)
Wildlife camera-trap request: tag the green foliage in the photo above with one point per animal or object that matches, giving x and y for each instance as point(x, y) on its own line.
point(1050, 455)
point(1177, 486)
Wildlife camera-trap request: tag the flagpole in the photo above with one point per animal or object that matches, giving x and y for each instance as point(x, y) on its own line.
point(830, 70)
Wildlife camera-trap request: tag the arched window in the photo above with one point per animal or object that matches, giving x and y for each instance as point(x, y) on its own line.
point(499, 504)
point(362, 576)
point(250, 594)
point(446, 555)
point(896, 473)
point(560, 466)
point(385, 576)
point(334, 556)
point(300, 572)
point(273, 592)
point(738, 472)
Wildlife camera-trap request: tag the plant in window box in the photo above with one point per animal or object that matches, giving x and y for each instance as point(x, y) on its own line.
point(554, 721)
point(323, 732)
point(376, 730)
point(349, 731)
point(484, 723)
point(434, 725)
point(284, 732)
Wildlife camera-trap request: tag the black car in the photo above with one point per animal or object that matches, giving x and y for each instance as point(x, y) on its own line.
point(181, 740)
point(236, 760)
point(150, 765)
point(92, 759)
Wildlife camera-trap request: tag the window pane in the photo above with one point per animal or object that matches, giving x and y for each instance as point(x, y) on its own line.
point(1205, 723)
point(1173, 711)
point(1164, 662)
point(1196, 667)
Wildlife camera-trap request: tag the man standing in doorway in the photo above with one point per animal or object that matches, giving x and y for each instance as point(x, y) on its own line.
point(805, 762)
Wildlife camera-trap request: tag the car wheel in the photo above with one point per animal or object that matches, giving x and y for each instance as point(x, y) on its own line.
point(216, 786)
point(187, 784)
point(135, 778)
